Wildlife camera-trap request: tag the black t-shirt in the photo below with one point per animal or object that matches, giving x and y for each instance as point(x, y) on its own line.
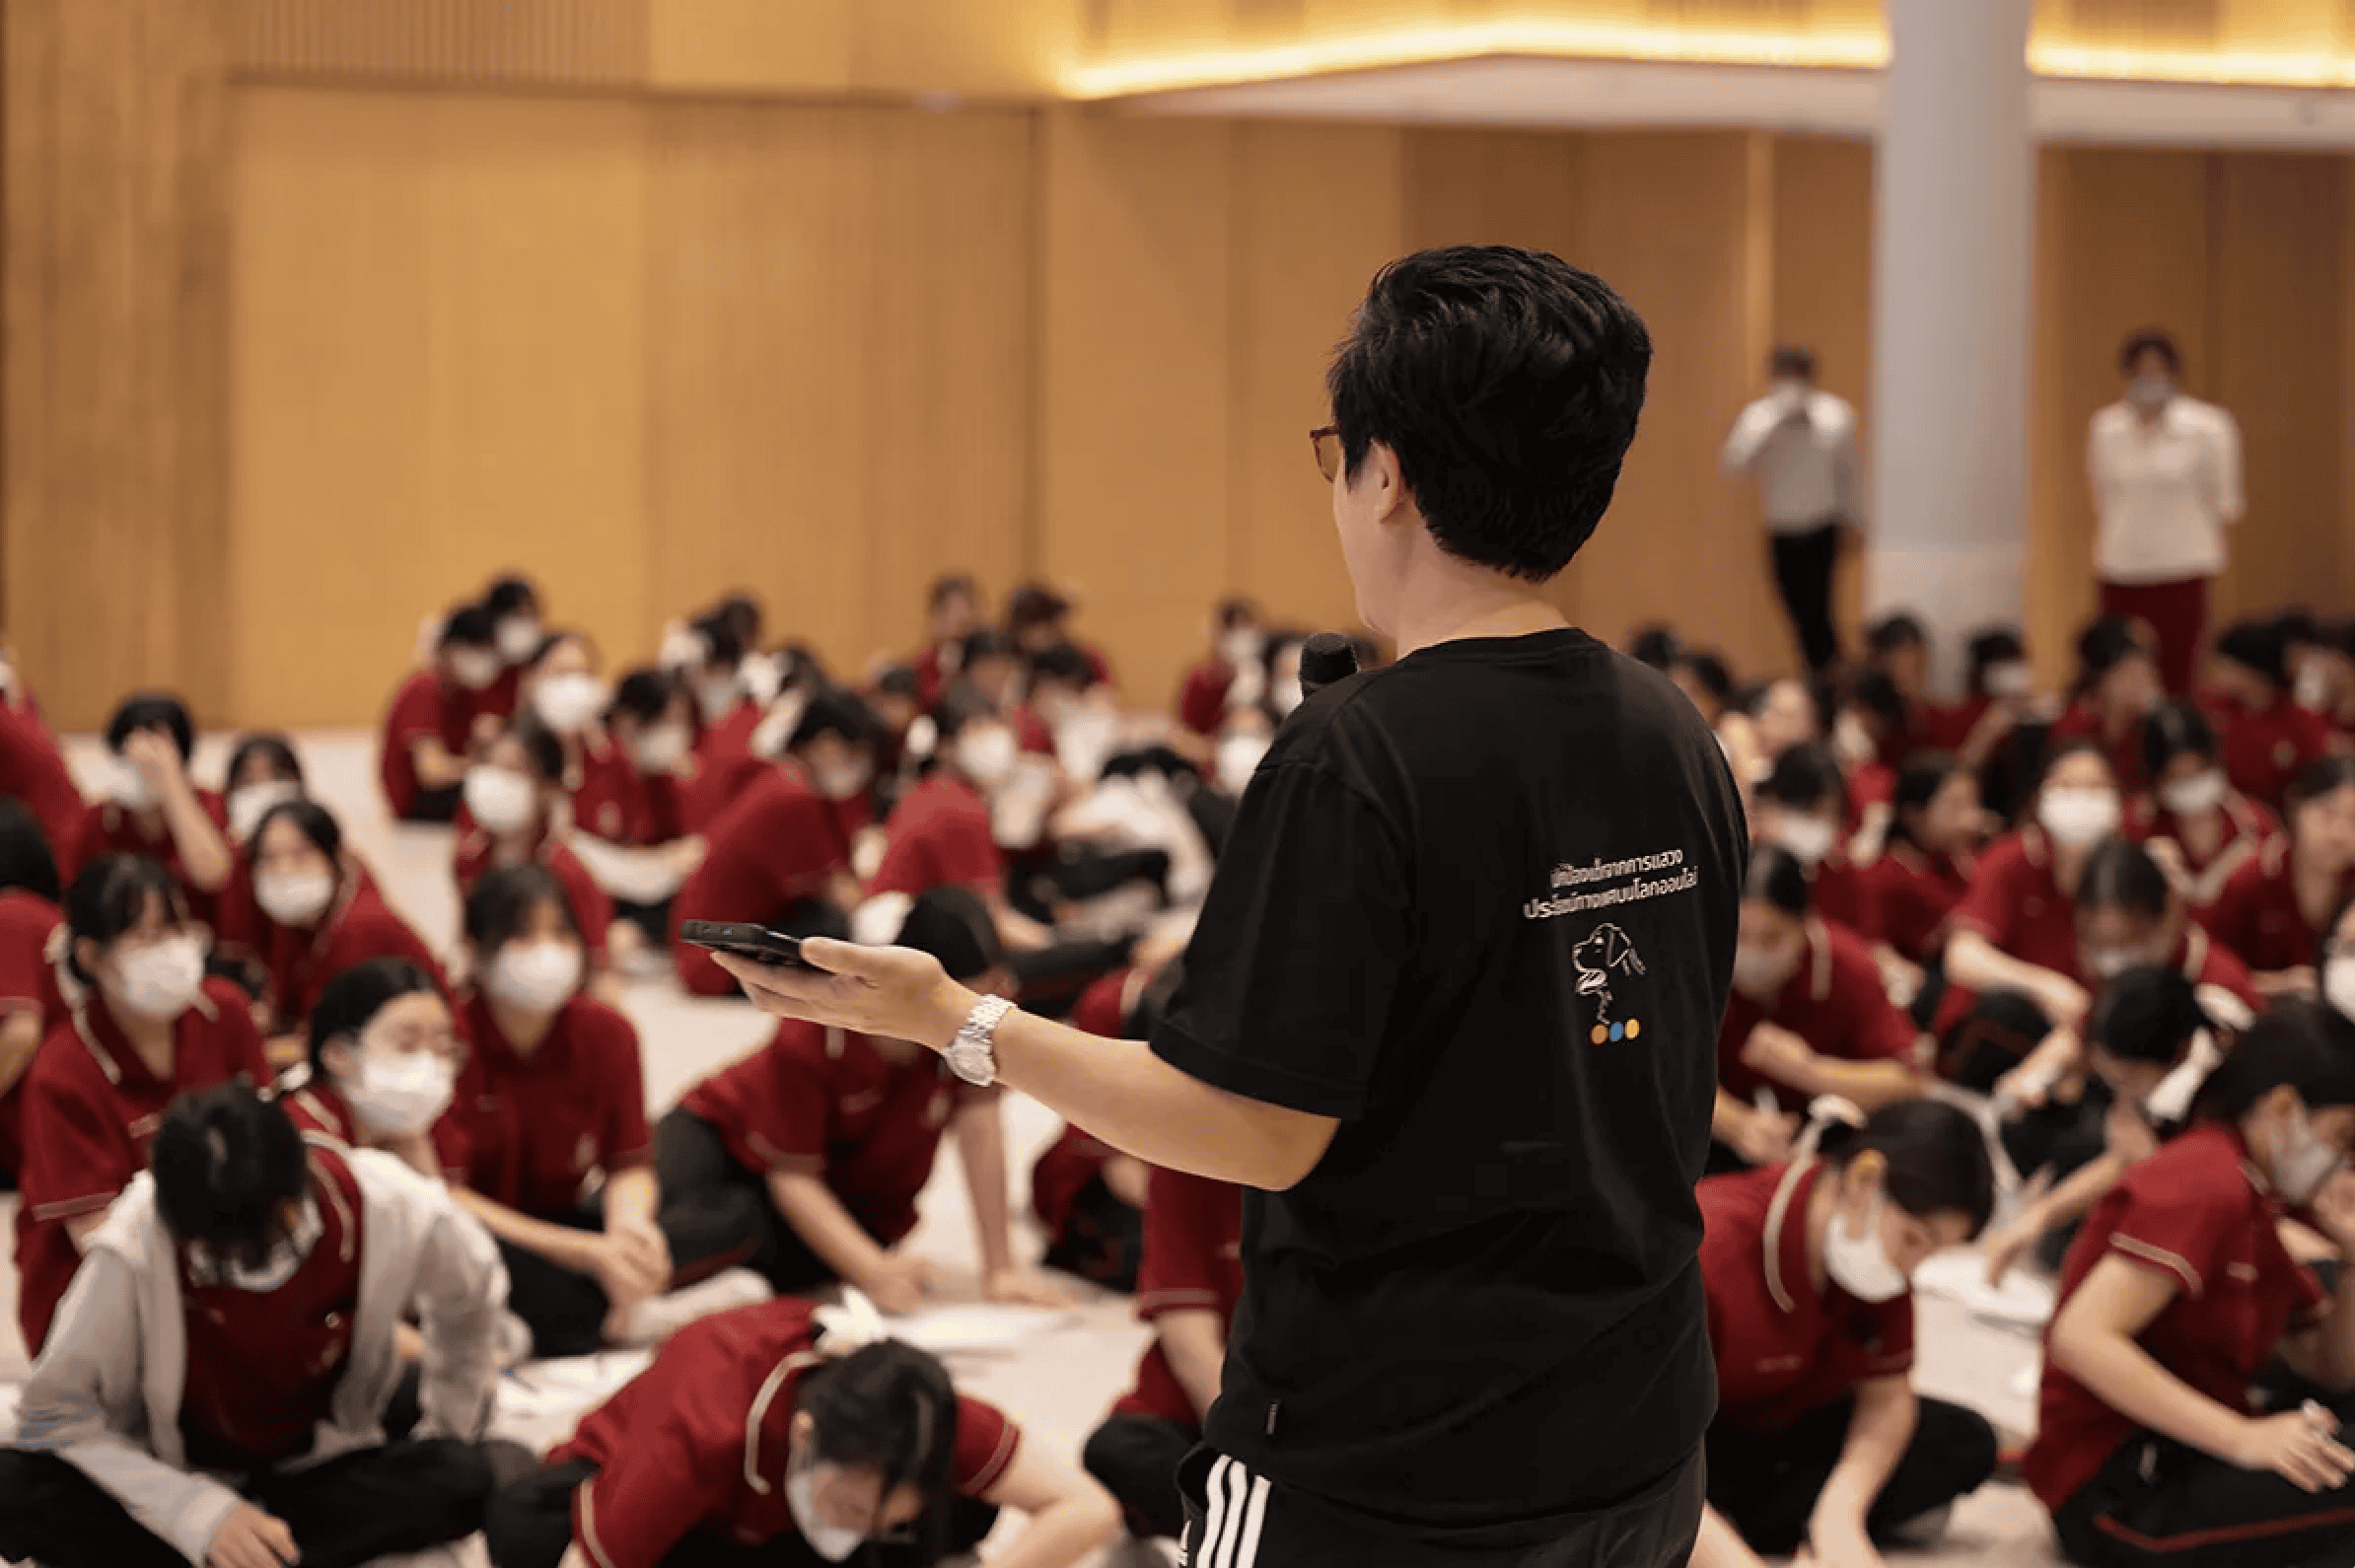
point(1480, 909)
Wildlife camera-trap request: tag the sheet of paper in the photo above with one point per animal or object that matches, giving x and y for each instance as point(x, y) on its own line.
point(2026, 1299)
point(973, 1328)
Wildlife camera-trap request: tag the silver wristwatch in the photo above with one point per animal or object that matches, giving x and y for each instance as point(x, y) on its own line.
point(973, 1054)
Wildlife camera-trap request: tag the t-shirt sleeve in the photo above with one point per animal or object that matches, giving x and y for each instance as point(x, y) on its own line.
point(2176, 1229)
point(1877, 1031)
point(654, 1491)
point(1893, 1356)
point(909, 863)
point(627, 1143)
point(416, 714)
point(1187, 1220)
point(24, 958)
point(1288, 983)
point(986, 1442)
point(782, 1102)
point(74, 1161)
point(1991, 906)
point(799, 845)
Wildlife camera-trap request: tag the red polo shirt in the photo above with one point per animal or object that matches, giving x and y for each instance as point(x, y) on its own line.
point(264, 1365)
point(315, 1106)
point(941, 837)
point(2247, 829)
point(2197, 1213)
point(1843, 895)
point(827, 1103)
point(108, 830)
point(934, 667)
point(2264, 751)
point(697, 1443)
point(2256, 915)
point(27, 985)
point(34, 770)
point(608, 796)
point(1075, 1157)
point(92, 1108)
point(725, 766)
point(2016, 903)
point(1202, 700)
point(1948, 727)
point(1194, 1261)
point(777, 845)
point(1784, 1347)
point(474, 858)
point(537, 1127)
point(2203, 960)
point(2125, 751)
point(359, 927)
point(1835, 1001)
point(1915, 893)
point(427, 708)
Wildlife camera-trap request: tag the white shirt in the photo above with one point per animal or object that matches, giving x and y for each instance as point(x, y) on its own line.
point(1801, 445)
point(2165, 494)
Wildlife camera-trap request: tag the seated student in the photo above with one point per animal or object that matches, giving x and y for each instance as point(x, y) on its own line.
point(993, 667)
point(2116, 691)
point(560, 688)
point(789, 1434)
point(642, 853)
point(1820, 1444)
point(1932, 851)
point(1786, 713)
point(30, 1003)
point(951, 614)
point(782, 845)
point(2201, 827)
point(2267, 739)
point(1236, 636)
point(892, 696)
point(430, 728)
point(2274, 909)
point(1038, 618)
point(518, 626)
point(1068, 714)
point(1808, 1016)
point(727, 716)
point(383, 1068)
point(33, 769)
point(2177, 1293)
point(1800, 807)
point(1996, 727)
point(318, 917)
point(145, 1024)
point(263, 769)
point(804, 1161)
point(1656, 647)
point(215, 1388)
point(1187, 1290)
point(514, 816)
point(151, 808)
point(1874, 719)
point(941, 834)
point(1897, 649)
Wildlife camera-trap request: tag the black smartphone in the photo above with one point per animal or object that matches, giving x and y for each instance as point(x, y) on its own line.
point(757, 943)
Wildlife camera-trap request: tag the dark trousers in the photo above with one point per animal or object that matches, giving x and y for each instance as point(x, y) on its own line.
point(717, 1213)
point(529, 1524)
point(566, 1310)
point(1102, 1240)
point(2159, 1501)
point(1237, 1520)
point(653, 919)
point(1136, 1458)
point(405, 1497)
point(2178, 614)
point(1767, 1487)
point(1803, 571)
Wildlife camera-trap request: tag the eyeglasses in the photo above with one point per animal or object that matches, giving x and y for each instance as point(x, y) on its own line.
point(1326, 441)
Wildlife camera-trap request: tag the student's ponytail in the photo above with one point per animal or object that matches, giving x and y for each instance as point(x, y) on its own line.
point(1936, 1156)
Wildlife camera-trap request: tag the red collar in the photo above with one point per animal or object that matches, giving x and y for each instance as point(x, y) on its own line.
point(117, 1058)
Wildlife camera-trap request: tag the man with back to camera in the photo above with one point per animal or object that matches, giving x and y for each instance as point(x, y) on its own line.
point(1452, 1006)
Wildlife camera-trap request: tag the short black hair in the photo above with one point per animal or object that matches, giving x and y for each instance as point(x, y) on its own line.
point(2302, 1044)
point(645, 694)
point(723, 639)
point(835, 711)
point(1805, 778)
point(1775, 877)
point(2150, 340)
point(2149, 1014)
point(1990, 646)
point(25, 858)
point(153, 710)
point(469, 626)
point(955, 926)
point(542, 750)
point(510, 594)
point(891, 1409)
point(1657, 646)
point(349, 1001)
point(2256, 645)
point(312, 819)
point(1709, 671)
point(1237, 611)
point(2177, 728)
point(1063, 663)
point(1938, 1159)
point(2105, 644)
point(501, 906)
point(1876, 693)
point(962, 704)
point(743, 611)
point(2122, 875)
point(1792, 359)
point(111, 895)
point(285, 762)
point(1509, 384)
point(988, 643)
point(1035, 604)
point(227, 1162)
point(1919, 779)
point(1889, 633)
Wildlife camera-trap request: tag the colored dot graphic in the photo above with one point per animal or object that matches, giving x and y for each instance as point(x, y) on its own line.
point(1627, 1031)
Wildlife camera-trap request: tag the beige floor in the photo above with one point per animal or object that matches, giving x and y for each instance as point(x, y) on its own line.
point(1060, 1381)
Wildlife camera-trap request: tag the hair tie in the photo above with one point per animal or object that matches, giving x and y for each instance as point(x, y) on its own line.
point(848, 1329)
point(1822, 1112)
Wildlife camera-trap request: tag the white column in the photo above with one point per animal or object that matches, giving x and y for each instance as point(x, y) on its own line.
point(1953, 206)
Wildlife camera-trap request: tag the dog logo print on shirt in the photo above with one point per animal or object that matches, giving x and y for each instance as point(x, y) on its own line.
point(1604, 952)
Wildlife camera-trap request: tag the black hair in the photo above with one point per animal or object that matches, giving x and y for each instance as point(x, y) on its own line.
point(227, 1162)
point(947, 587)
point(1938, 1159)
point(798, 665)
point(1063, 663)
point(1035, 604)
point(25, 858)
point(2174, 728)
point(1876, 693)
point(509, 594)
point(2258, 646)
point(1792, 359)
point(111, 895)
point(1709, 673)
point(153, 710)
point(836, 711)
point(2149, 1014)
point(2122, 875)
point(891, 1409)
point(2150, 340)
point(553, 639)
point(1775, 877)
point(2298, 624)
point(723, 639)
point(955, 926)
point(501, 906)
point(2326, 775)
point(2102, 646)
point(962, 704)
point(1509, 385)
point(1893, 632)
point(349, 1001)
point(645, 694)
point(899, 680)
point(2296, 1041)
point(312, 819)
point(1805, 778)
point(1991, 646)
point(469, 626)
point(988, 643)
point(1920, 779)
point(2058, 751)
point(544, 752)
point(284, 762)
point(1237, 611)
point(1657, 646)
point(743, 611)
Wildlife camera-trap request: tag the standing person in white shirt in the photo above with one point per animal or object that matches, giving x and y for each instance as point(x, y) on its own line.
point(2165, 470)
point(1799, 443)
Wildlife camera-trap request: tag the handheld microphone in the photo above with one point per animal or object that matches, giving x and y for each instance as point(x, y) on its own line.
point(1325, 658)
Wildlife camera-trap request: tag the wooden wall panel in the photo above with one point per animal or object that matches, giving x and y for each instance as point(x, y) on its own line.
point(114, 444)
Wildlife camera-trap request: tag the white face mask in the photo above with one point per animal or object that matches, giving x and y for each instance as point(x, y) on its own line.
point(249, 803)
point(842, 781)
point(567, 703)
point(2109, 964)
point(1284, 695)
point(128, 787)
point(518, 638)
point(1761, 971)
point(683, 650)
point(500, 799)
point(2311, 689)
point(1239, 757)
point(660, 750)
point(159, 982)
point(400, 1097)
point(2304, 1164)
point(1860, 1264)
point(1241, 646)
point(717, 696)
point(295, 897)
point(2338, 985)
point(1810, 840)
point(987, 755)
point(285, 1260)
point(2194, 795)
point(537, 976)
point(473, 668)
point(2079, 818)
point(2011, 679)
point(2150, 394)
point(762, 676)
point(831, 1542)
